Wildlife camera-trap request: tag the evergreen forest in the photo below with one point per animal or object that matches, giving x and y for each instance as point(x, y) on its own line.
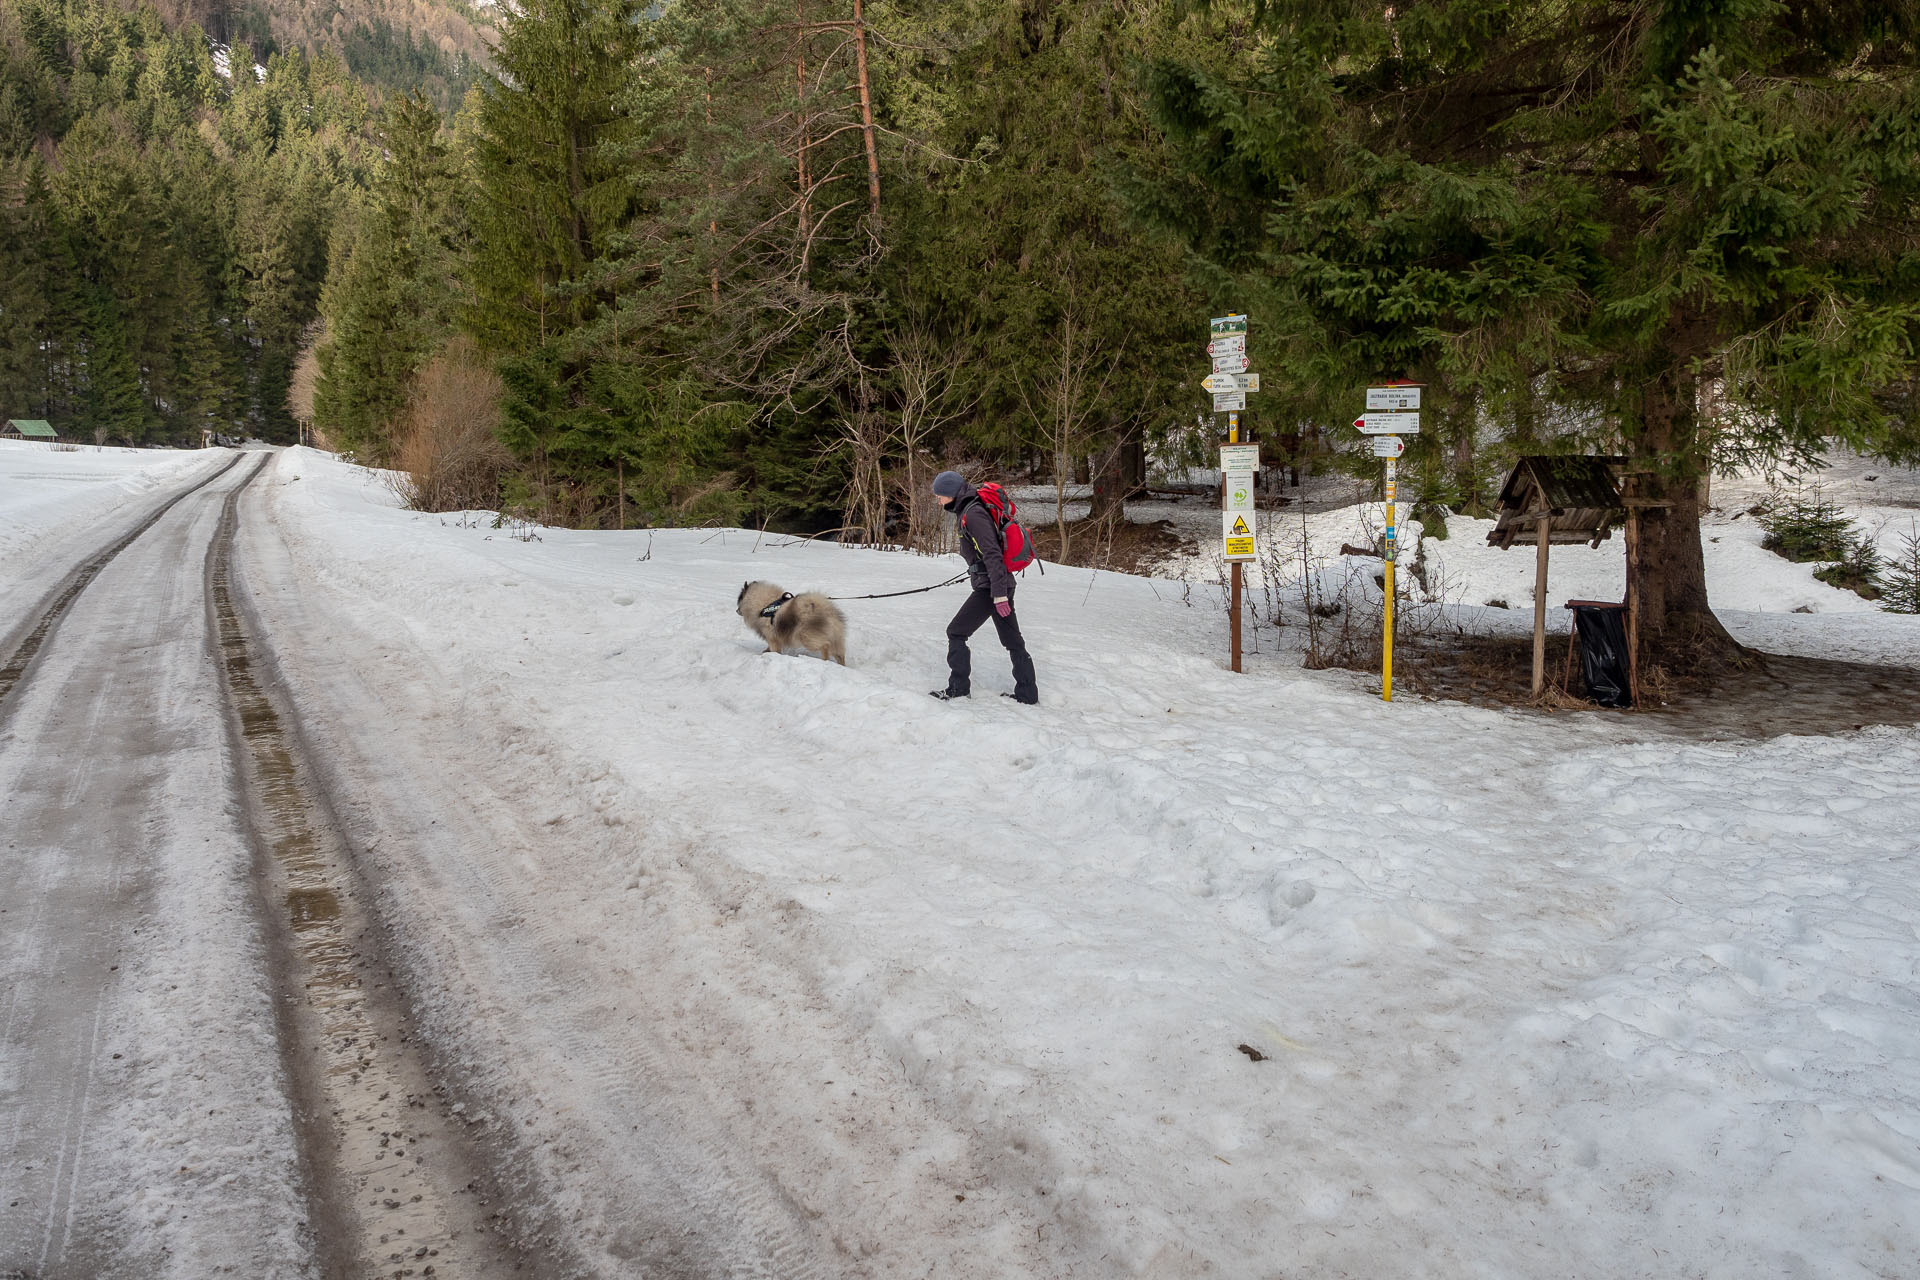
point(775, 261)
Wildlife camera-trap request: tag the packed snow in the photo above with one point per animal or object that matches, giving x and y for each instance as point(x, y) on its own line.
point(1197, 973)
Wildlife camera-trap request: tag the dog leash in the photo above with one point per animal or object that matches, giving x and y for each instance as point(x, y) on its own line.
point(887, 595)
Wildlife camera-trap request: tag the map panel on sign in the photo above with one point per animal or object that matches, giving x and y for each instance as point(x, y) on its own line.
point(1389, 398)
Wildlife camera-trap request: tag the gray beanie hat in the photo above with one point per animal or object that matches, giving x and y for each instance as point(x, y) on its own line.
point(948, 484)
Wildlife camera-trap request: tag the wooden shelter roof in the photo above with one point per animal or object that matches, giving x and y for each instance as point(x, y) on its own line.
point(1579, 496)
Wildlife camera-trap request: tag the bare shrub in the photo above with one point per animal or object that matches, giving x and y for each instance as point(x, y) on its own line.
point(448, 447)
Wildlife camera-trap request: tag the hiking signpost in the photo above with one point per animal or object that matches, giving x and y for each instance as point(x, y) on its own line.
point(1230, 384)
point(1393, 411)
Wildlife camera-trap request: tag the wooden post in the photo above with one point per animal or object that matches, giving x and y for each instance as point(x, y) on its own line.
point(1233, 437)
point(620, 486)
point(1633, 608)
point(1540, 609)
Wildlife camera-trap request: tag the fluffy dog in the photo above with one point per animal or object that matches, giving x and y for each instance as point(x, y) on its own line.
point(785, 621)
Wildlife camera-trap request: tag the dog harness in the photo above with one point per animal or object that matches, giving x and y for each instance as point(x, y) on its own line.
point(774, 608)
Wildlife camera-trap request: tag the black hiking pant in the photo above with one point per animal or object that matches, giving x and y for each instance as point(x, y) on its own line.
point(977, 609)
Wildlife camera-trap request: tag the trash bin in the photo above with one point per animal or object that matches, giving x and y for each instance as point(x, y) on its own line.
point(1602, 629)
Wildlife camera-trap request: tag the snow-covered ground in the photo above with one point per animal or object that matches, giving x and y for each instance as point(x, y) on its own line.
point(1180, 973)
point(51, 499)
point(1486, 590)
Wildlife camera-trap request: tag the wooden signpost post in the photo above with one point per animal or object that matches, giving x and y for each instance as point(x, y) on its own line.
point(1230, 383)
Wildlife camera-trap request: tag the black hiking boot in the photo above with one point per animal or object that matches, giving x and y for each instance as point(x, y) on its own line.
point(943, 695)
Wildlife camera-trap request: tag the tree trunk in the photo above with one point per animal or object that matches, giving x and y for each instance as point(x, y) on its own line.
point(1110, 480)
point(1677, 628)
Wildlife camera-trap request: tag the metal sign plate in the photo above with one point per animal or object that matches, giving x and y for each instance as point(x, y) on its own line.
point(1239, 457)
point(1231, 362)
point(1239, 491)
point(1229, 401)
point(1388, 424)
point(1389, 398)
point(1221, 325)
point(1236, 528)
point(1231, 382)
point(1388, 446)
point(1228, 344)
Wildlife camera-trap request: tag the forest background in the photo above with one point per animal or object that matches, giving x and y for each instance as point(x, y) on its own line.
point(775, 261)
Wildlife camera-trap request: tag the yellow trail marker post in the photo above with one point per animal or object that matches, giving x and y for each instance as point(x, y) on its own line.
point(1392, 411)
point(1386, 651)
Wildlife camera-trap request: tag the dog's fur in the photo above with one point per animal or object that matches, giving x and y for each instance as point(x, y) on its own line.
point(808, 621)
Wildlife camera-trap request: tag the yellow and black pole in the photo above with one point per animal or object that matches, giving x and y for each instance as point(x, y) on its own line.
point(1386, 649)
point(1393, 411)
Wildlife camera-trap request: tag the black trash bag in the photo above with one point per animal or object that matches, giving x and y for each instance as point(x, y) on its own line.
point(1603, 652)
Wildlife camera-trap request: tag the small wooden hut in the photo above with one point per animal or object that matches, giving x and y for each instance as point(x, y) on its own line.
point(28, 429)
point(1564, 500)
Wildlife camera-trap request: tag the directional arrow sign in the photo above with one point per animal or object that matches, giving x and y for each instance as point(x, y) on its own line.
point(1393, 398)
point(1229, 344)
point(1388, 424)
point(1232, 382)
point(1388, 446)
point(1232, 362)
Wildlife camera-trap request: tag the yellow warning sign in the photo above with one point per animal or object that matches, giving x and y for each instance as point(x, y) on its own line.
point(1237, 529)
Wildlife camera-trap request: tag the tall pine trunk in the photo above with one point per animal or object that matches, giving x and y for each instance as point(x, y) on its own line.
point(1676, 626)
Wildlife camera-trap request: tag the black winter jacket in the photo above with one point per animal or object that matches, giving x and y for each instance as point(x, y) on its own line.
point(980, 545)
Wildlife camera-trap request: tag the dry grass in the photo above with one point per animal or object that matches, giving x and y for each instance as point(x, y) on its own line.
point(447, 444)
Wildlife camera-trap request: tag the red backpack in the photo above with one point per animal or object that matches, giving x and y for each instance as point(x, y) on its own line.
point(1015, 551)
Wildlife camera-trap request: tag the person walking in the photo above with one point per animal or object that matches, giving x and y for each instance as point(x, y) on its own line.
point(992, 595)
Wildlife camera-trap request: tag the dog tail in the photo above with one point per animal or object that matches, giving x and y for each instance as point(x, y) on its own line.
point(800, 612)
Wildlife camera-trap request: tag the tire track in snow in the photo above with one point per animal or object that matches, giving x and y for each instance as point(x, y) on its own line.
point(662, 1187)
point(395, 1183)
